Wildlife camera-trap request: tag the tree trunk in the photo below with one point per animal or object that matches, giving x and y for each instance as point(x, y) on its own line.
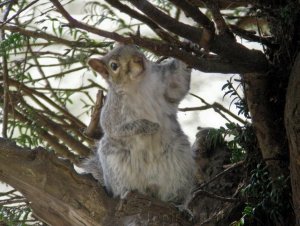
point(292, 122)
point(267, 123)
point(61, 197)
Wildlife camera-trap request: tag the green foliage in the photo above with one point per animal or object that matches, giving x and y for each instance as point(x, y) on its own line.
point(237, 99)
point(238, 139)
point(268, 198)
point(288, 12)
point(97, 13)
point(14, 215)
point(247, 213)
point(13, 41)
point(24, 135)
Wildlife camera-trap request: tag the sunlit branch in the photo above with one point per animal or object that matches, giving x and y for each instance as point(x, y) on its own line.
point(217, 107)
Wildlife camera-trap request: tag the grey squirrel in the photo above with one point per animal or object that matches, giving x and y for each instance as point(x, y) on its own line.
point(143, 147)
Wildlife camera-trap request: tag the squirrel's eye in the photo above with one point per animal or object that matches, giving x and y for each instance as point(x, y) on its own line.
point(114, 66)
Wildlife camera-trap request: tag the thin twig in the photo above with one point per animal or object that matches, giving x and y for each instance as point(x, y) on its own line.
point(201, 108)
point(5, 76)
point(17, 13)
point(28, 90)
point(219, 109)
point(48, 85)
point(235, 165)
point(60, 74)
point(55, 129)
point(60, 149)
point(214, 196)
point(46, 36)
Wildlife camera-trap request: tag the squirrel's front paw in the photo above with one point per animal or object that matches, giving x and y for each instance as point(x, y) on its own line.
point(148, 127)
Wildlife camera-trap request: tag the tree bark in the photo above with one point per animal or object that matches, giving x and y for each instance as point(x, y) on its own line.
point(292, 123)
point(60, 196)
point(266, 122)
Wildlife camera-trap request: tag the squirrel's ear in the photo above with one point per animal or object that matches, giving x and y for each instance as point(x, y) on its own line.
point(98, 66)
point(137, 66)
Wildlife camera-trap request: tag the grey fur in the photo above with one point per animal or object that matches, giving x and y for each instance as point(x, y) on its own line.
point(143, 147)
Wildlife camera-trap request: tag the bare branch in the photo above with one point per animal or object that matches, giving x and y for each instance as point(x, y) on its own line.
point(249, 35)
point(227, 170)
point(129, 11)
point(212, 195)
point(222, 28)
point(17, 13)
point(75, 23)
point(219, 108)
point(94, 130)
point(195, 13)
point(184, 30)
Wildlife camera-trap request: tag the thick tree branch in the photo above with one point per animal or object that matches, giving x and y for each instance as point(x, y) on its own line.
point(225, 47)
point(240, 58)
point(184, 30)
point(59, 196)
point(56, 193)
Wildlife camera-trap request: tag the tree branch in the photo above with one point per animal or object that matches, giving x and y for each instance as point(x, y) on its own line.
point(195, 13)
point(226, 48)
point(59, 196)
point(56, 193)
point(43, 35)
point(59, 148)
point(5, 76)
point(239, 57)
point(184, 30)
point(31, 91)
point(129, 11)
point(220, 23)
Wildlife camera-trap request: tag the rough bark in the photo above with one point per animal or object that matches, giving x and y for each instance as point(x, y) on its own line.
point(266, 121)
point(292, 123)
point(60, 196)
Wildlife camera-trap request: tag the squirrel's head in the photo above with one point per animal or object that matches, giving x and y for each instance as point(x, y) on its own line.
point(122, 65)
